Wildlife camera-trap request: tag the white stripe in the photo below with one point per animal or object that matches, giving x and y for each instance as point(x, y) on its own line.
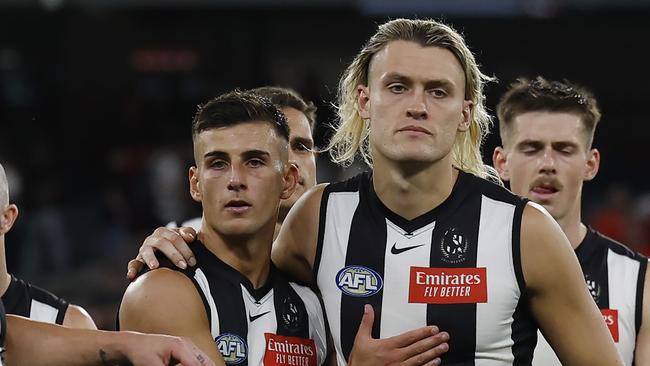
point(400, 315)
point(200, 278)
point(264, 324)
point(340, 210)
point(43, 312)
point(622, 276)
point(316, 319)
point(494, 318)
point(544, 354)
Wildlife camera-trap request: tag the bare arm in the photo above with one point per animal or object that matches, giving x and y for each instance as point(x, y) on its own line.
point(642, 352)
point(294, 250)
point(165, 301)
point(57, 345)
point(559, 299)
point(78, 317)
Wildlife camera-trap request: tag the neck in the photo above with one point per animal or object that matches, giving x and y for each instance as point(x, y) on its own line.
point(573, 227)
point(5, 278)
point(249, 255)
point(411, 190)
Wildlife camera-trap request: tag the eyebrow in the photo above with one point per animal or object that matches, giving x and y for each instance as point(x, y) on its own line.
point(248, 154)
point(557, 145)
point(303, 140)
point(433, 83)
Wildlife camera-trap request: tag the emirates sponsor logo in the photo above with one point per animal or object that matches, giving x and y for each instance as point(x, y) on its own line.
point(448, 285)
point(289, 351)
point(610, 316)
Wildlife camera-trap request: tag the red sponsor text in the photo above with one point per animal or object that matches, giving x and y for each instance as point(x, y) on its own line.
point(448, 285)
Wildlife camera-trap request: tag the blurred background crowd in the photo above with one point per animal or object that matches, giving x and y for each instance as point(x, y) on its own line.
point(97, 97)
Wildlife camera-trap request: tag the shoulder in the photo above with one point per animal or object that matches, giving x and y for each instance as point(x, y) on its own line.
point(615, 246)
point(161, 299)
point(78, 317)
point(490, 189)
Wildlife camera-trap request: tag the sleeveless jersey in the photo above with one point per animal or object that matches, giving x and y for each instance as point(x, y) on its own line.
point(25, 299)
point(457, 266)
point(281, 323)
point(3, 333)
point(615, 277)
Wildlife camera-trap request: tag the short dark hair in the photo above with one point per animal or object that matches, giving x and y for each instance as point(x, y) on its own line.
point(288, 98)
point(237, 107)
point(541, 95)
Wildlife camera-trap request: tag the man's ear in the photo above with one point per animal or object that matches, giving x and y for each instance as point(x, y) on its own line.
point(195, 191)
point(290, 181)
point(363, 101)
point(500, 163)
point(466, 116)
point(592, 165)
point(7, 218)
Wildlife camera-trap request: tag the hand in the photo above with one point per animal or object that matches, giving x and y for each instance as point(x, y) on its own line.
point(172, 242)
point(422, 346)
point(148, 349)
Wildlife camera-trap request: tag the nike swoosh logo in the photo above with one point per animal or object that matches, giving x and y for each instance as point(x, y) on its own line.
point(253, 318)
point(396, 250)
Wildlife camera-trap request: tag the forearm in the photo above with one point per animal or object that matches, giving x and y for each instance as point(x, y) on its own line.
point(34, 343)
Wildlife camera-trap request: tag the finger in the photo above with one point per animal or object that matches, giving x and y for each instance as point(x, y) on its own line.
point(188, 357)
point(430, 357)
point(184, 236)
point(365, 327)
point(412, 336)
point(133, 268)
point(180, 253)
point(427, 344)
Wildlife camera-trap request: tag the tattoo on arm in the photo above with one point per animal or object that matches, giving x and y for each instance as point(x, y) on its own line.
point(104, 357)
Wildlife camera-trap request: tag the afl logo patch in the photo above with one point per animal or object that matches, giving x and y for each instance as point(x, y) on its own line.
point(454, 246)
point(232, 347)
point(358, 281)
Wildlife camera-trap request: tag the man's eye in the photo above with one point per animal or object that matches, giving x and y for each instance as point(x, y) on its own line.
point(439, 93)
point(218, 164)
point(301, 147)
point(397, 88)
point(255, 163)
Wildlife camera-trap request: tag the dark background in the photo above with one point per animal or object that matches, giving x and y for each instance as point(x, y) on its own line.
point(96, 99)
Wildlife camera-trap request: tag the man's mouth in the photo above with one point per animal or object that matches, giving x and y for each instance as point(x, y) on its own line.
point(237, 206)
point(414, 129)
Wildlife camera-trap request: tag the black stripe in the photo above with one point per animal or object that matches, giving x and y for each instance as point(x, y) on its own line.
point(290, 311)
point(457, 319)
point(516, 246)
point(524, 333)
point(231, 309)
point(321, 231)
point(367, 245)
point(640, 286)
point(524, 328)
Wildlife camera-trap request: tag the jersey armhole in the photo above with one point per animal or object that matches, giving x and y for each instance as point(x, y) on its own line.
point(322, 216)
point(640, 287)
point(516, 245)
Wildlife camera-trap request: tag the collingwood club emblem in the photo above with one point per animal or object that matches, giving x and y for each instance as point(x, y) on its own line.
point(454, 246)
point(291, 314)
point(594, 287)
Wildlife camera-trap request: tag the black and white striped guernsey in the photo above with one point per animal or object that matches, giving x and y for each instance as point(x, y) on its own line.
point(3, 333)
point(281, 323)
point(457, 266)
point(25, 299)
point(615, 277)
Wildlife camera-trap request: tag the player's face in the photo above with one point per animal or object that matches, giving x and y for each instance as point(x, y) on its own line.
point(415, 102)
point(301, 145)
point(546, 160)
point(240, 177)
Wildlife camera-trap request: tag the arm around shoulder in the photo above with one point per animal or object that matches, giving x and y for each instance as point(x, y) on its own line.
point(558, 297)
point(165, 301)
point(294, 250)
